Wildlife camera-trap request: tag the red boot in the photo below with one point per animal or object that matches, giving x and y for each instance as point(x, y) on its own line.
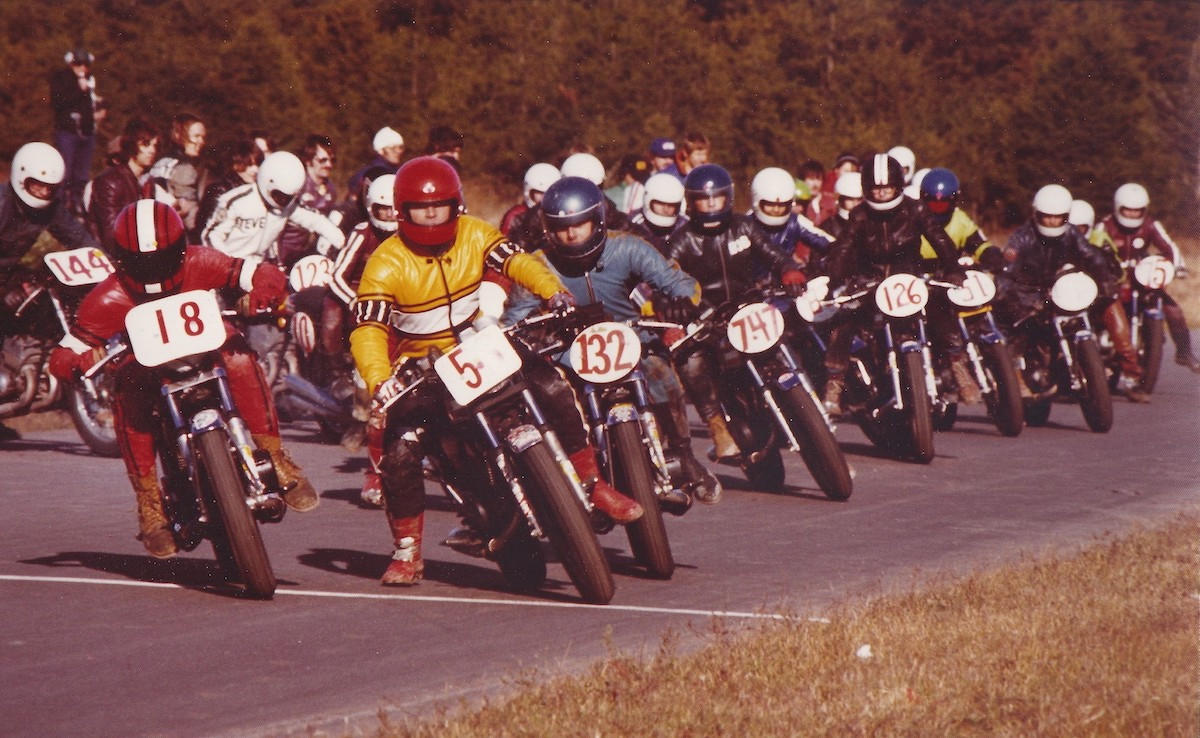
point(617, 506)
point(372, 489)
point(406, 568)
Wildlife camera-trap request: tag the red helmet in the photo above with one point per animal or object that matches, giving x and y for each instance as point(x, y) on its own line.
point(427, 181)
point(148, 247)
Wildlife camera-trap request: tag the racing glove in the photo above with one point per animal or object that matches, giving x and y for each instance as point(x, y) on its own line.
point(992, 259)
point(561, 302)
point(386, 390)
point(794, 281)
point(269, 288)
point(675, 309)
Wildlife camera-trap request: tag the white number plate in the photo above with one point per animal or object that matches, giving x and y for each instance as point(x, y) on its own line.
point(605, 352)
point(977, 290)
point(313, 270)
point(1154, 272)
point(78, 266)
point(174, 327)
point(755, 328)
point(902, 295)
point(478, 364)
point(1074, 292)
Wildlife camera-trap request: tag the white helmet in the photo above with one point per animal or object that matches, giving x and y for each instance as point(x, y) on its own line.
point(538, 178)
point(379, 195)
point(667, 189)
point(584, 165)
point(1082, 213)
point(907, 159)
point(913, 190)
point(1133, 196)
point(385, 137)
point(1052, 200)
point(849, 184)
point(279, 179)
point(39, 163)
point(773, 185)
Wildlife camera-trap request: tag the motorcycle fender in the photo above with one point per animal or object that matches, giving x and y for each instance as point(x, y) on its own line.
point(787, 380)
point(621, 413)
point(991, 338)
point(909, 347)
point(523, 437)
point(1083, 335)
point(1153, 313)
point(205, 420)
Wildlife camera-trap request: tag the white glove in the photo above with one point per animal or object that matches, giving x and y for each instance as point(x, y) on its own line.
point(387, 390)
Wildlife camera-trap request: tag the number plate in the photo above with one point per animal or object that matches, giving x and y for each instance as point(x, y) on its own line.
point(605, 352)
point(313, 270)
point(78, 266)
point(755, 328)
point(478, 364)
point(902, 295)
point(977, 290)
point(1154, 272)
point(174, 327)
point(1074, 291)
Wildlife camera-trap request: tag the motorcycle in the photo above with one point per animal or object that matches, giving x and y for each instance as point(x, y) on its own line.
point(987, 354)
point(890, 386)
point(1061, 356)
point(216, 485)
point(1142, 299)
point(768, 401)
point(501, 464)
point(43, 319)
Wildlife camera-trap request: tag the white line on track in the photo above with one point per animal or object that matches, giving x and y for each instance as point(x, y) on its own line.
point(429, 598)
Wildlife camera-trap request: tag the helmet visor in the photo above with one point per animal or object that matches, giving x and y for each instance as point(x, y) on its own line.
point(429, 213)
point(150, 267)
point(939, 206)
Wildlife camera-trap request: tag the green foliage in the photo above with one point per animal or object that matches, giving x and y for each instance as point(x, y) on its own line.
point(1011, 95)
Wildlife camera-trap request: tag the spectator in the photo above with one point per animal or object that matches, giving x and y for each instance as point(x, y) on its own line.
point(662, 157)
point(821, 204)
point(446, 143)
point(239, 162)
point(389, 151)
point(76, 112)
point(318, 194)
point(695, 152)
point(263, 140)
point(120, 184)
point(629, 191)
point(181, 172)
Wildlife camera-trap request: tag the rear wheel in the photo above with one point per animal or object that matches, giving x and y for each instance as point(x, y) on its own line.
point(242, 539)
point(1152, 352)
point(633, 475)
point(1004, 402)
point(1095, 399)
point(818, 447)
point(918, 409)
point(566, 523)
point(93, 420)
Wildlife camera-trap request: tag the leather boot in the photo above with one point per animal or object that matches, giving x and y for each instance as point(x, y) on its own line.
point(617, 506)
point(701, 482)
point(968, 388)
point(407, 567)
point(725, 448)
point(298, 492)
point(372, 489)
point(1117, 324)
point(155, 532)
point(833, 395)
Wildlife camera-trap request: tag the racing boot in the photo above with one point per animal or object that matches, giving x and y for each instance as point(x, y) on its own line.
point(703, 484)
point(407, 567)
point(833, 394)
point(298, 492)
point(724, 447)
point(1116, 322)
point(1177, 327)
point(154, 530)
point(617, 506)
point(372, 489)
point(968, 388)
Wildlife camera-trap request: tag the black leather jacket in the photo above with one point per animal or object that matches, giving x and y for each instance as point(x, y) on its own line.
point(875, 243)
point(21, 226)
point(1035, 259)
point(725, 263)
point(112, 189)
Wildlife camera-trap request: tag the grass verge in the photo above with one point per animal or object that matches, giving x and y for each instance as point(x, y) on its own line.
point(1102, 642)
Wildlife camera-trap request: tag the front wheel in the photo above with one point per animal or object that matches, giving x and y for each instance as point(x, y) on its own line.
point(1095, 399)
point(918, 409)
point(1152, 353)
point(633, 475)
point(93, 420)
point(1004, 401)
point(241, 545)
point(818, 447)
point(566, 523)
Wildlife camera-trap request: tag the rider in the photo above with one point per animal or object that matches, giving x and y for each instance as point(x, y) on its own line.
point(772, 195)
point(881, 238)
point(537, 178)
point(1134, 231)
point(662, 210)
point(849, 196)
point(722, 250)
point(422, 286)
point(152, 260)
point(602, 266)
point(939, 190)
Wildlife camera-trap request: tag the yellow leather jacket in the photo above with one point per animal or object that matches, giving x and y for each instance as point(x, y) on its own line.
point(967, 236)
point(424, 301)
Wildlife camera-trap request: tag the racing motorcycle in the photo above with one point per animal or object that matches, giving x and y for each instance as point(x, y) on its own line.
point(1142, 299)
point(768, 399)
point(501, 464)
point(216, 485)
point(1060, 356)
point(43, 318)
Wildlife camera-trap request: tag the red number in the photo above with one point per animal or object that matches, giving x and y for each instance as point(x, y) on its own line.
point(62, 275)
point(597, 340)
point(78, 267)
point(620, 339)
point(741, 326)
point(162, 326)
point(97, 260)
point(192, 325)
point(462, 370)
point(914, 295)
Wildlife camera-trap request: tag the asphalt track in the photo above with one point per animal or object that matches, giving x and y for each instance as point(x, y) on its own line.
point(98, 639)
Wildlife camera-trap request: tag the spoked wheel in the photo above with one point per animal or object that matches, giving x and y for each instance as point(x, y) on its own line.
point(93, 420)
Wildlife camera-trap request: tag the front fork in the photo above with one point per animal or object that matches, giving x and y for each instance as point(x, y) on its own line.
point(600, 418)
point(1066, 346)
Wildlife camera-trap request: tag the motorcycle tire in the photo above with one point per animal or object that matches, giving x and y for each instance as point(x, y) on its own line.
point(1095, 399)
point(945, 416)
point(522, 562)
point(1037, 413)
point(1004, 404)
point(818, 447)
point(242, 540)
point(93, 421)
point(918, 409)
point(1152, 353)
point(566, 523)
point(633, 475)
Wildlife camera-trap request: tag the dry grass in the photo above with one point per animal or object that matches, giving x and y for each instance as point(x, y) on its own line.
point(1099, 643)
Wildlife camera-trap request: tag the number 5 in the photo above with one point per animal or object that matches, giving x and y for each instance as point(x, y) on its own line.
point(462, 370)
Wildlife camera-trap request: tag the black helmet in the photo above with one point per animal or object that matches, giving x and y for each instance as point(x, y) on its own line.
point(707, 182)
point(882, 170)
point(568, 202)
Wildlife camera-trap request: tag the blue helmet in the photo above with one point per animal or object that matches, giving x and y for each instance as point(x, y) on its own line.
point(939, 190)
point(568, 202)
point(707, 182)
